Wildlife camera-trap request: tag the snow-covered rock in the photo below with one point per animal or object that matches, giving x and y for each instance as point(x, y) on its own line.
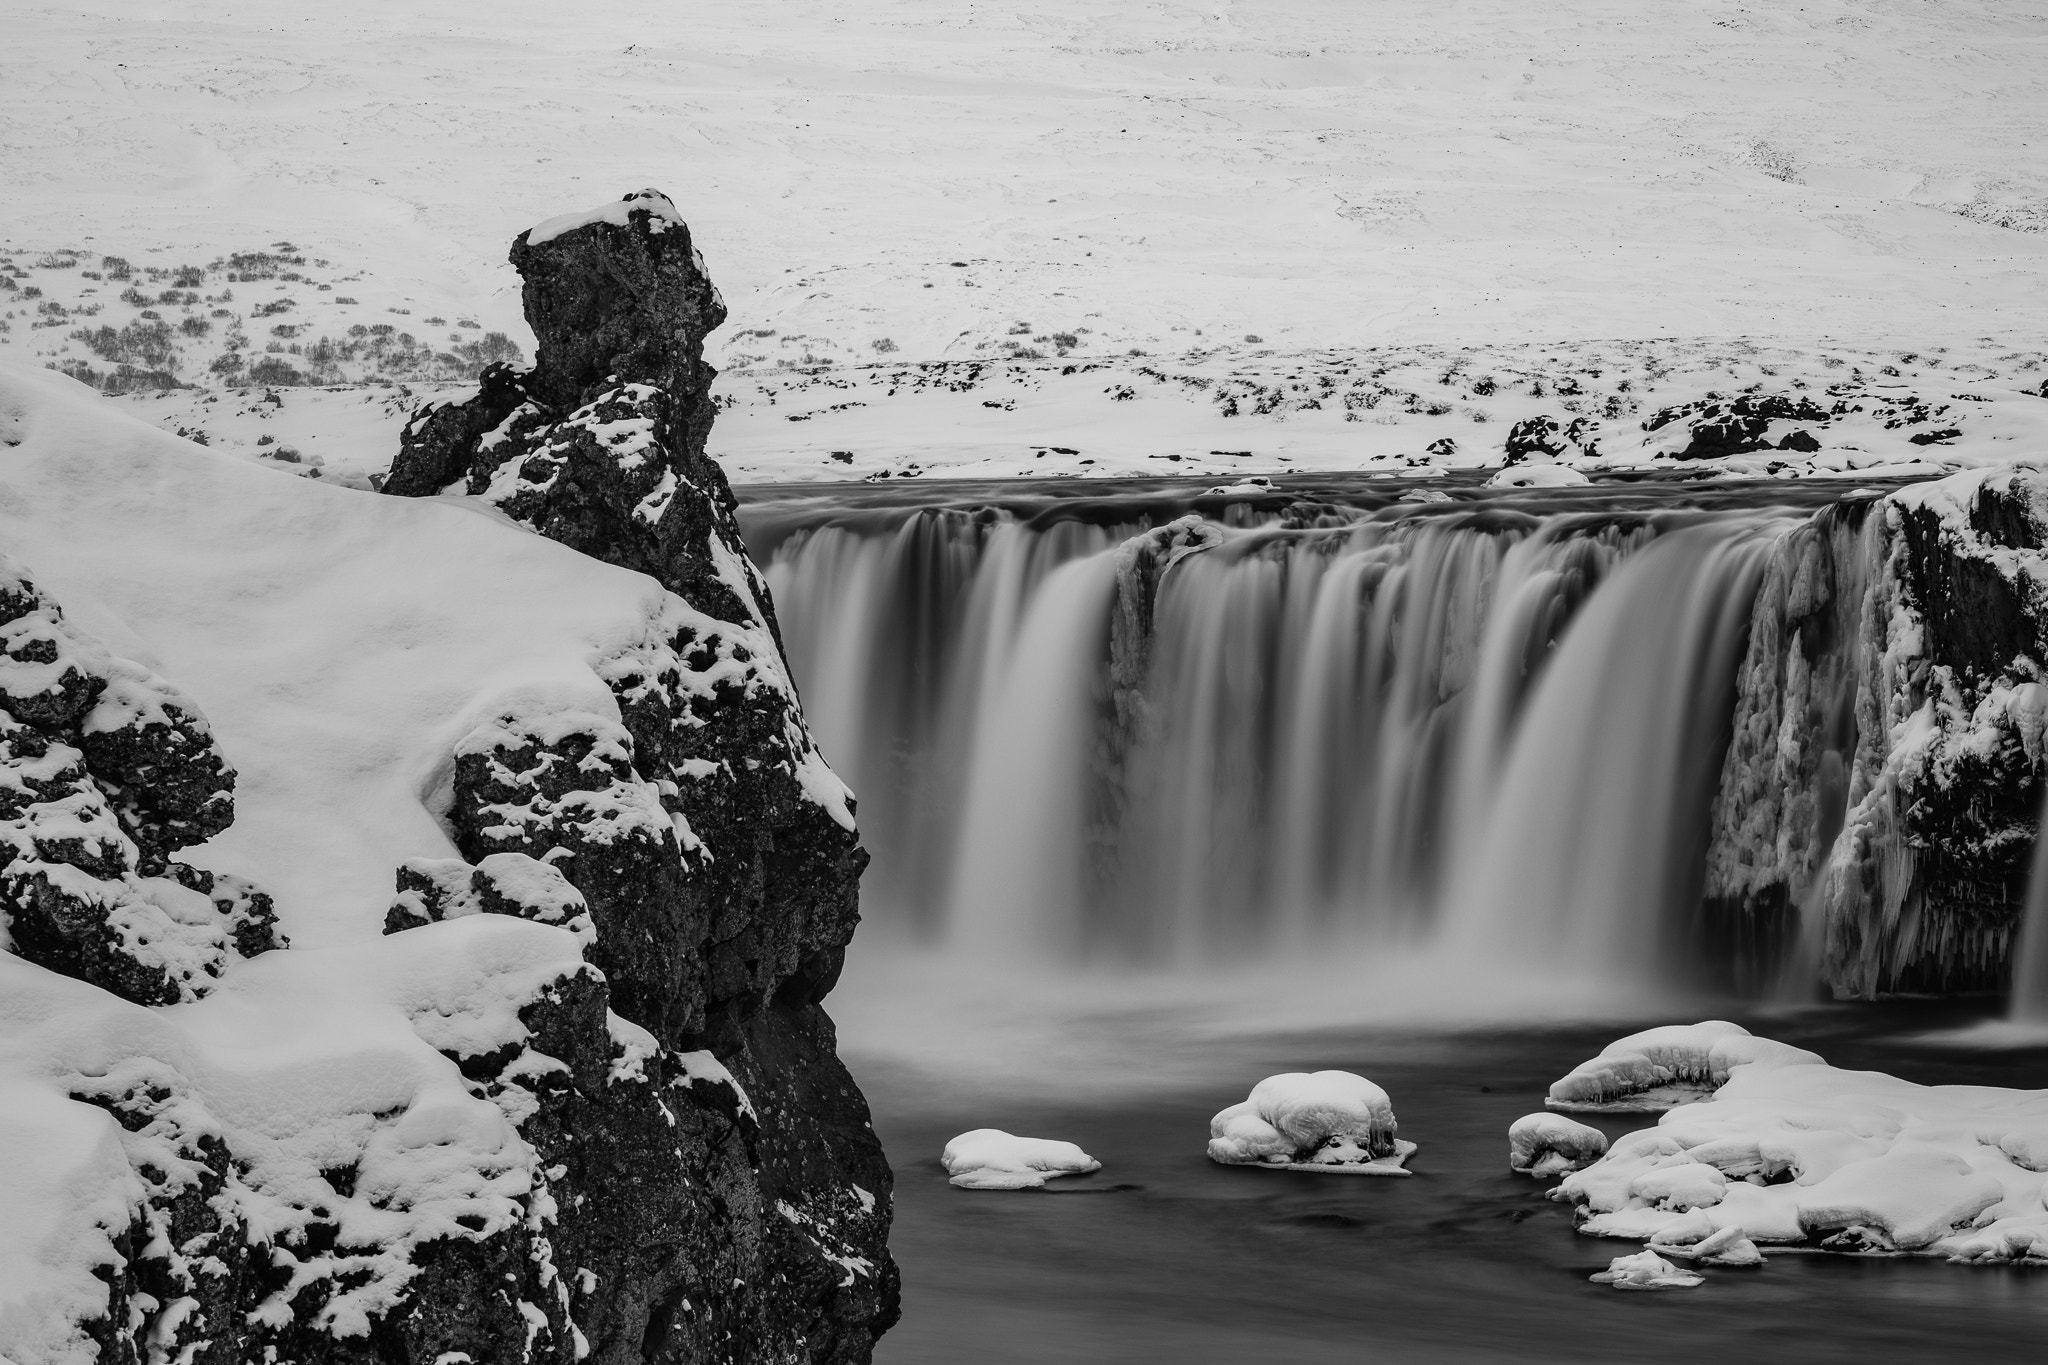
point(1538, 476)
point(1547, 1144)
point(516, 1126)
point(991, 1159)
point(1316, 1121)
point(1796, 1152)
point(1645, 1270)
point(1662, 1067)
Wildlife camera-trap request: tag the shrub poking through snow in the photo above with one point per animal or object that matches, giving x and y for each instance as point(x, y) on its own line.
point(1313, 1121)
point(1546, 1144)
point(1794, 1152)
point(1660, 1068)
point(991, 1159)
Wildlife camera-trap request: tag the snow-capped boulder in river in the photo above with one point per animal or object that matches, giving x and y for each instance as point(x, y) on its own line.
point(991, 1159)
point(1329, 1121)
point(1546, 1144)
point(1646, 1270)
point(1659, 1068)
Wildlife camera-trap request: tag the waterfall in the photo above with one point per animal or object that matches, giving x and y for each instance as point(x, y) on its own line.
point(2030, 953)
point(1593, 835)
point(1102, 733)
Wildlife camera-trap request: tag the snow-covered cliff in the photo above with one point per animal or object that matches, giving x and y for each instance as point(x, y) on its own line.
point(541, 1075)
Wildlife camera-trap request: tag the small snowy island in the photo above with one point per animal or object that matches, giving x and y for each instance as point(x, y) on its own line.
point(991, 1159)
point(1781, 1149)
point(1330, 1122)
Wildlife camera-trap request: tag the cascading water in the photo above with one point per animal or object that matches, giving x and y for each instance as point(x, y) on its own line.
point(2030, 953)
point(1102, 732)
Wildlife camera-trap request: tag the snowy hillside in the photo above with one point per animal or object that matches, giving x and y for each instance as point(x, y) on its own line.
point(1250, 187)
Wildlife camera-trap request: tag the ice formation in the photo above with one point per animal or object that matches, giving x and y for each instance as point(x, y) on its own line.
point(1660, 1068)
point(991, 1159)
point(1547, 1144)
point(1331, 1121)
point(1791, 1151)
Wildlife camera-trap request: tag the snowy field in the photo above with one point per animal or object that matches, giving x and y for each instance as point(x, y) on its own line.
point(1257, 197)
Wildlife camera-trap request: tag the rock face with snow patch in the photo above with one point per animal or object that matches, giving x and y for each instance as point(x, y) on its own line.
point(105, 772)
point(1880, 797)
point(711, 849)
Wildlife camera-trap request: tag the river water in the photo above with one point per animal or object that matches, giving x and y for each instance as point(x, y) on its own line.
point(1163, 1256)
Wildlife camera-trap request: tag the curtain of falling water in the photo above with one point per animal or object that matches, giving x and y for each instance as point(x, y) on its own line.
point(2030, 953)
point(1595, 831)
point(1383, 729)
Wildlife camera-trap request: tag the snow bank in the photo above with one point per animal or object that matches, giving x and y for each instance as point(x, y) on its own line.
point(1796, 1152)
point(1659, 1068)
point(991, 1159)
point(1315, 1121)
point(1547, 1144)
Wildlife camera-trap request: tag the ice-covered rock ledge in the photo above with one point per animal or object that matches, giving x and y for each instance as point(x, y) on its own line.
point(1788, 1151)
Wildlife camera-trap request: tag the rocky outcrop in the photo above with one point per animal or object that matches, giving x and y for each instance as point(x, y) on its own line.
point(1721, 427)
point(106, 771)
point(711, 849)
point(1881, 796)
point(1543, 439)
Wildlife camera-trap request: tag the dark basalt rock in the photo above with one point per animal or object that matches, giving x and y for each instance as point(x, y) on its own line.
point(435, 448)
point(1721, 427)
point(720, 880)
point(105, 771)
point(1544, 438)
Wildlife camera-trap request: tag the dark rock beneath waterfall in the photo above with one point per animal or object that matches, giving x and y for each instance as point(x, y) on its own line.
point(1891, 734)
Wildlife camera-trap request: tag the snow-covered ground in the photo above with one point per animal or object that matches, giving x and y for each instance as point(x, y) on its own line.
point(1255, 195)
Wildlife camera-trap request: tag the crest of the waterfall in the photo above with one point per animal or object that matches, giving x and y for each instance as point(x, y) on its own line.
point(1588, 855)
point(1019, 884)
